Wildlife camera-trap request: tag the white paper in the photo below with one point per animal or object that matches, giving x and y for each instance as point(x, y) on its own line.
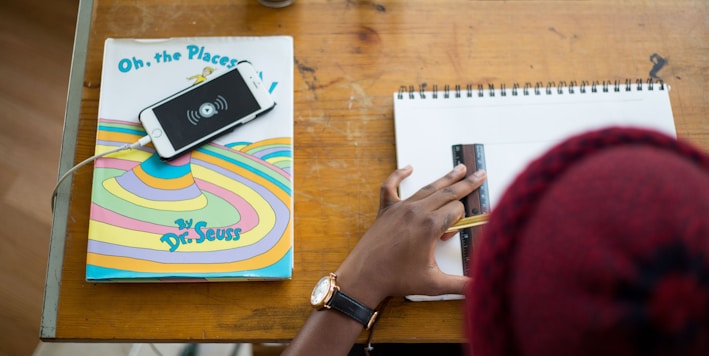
point(514, 131)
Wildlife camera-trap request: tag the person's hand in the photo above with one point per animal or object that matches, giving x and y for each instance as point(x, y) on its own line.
point(396, 256)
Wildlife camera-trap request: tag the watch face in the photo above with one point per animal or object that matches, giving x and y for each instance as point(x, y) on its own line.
point(320, 292)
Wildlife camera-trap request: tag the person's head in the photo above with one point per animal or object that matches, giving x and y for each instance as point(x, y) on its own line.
point(601, 246)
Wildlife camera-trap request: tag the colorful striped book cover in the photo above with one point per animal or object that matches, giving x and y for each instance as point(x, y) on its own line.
point(223, 212)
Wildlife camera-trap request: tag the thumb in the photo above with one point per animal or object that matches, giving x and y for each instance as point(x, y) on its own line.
point(389, 191)
point(451, 284)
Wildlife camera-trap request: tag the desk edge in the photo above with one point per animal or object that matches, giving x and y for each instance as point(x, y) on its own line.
point(48, 326)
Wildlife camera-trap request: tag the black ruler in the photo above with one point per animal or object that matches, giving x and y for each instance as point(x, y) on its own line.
point(477, 202)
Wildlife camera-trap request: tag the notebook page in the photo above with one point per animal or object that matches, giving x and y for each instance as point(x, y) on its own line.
point(514, 130)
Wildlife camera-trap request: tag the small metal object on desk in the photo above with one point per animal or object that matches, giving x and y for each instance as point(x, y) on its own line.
point(276, 3)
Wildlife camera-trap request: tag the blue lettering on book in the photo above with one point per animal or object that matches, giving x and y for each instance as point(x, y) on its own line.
point(167, 57)
point(194, 53)
point(202, 231)
point(199, 53)
point(125, 65)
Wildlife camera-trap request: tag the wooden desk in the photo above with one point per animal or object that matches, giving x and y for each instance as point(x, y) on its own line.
point(350, 56)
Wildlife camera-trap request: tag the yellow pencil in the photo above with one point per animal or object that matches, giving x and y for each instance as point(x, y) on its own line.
point(470, 221)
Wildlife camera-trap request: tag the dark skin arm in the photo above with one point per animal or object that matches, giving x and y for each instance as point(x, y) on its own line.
point(395, 257)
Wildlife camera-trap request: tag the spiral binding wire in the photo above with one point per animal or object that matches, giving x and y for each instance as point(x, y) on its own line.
point(538, 88)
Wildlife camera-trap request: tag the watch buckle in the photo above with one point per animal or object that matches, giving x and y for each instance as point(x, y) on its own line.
point(372, 320)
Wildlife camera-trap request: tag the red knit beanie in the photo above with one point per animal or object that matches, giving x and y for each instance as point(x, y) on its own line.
point(600, 247)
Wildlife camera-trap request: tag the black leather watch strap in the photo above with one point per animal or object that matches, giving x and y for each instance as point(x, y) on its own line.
point(352, 308)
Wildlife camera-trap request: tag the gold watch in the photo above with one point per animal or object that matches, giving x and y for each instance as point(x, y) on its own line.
point(327, 295)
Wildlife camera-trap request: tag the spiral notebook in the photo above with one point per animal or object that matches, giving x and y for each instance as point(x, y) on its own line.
point(514, 124)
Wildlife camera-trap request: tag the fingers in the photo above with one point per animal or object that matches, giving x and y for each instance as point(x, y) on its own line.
point(448, 215)
point(435, 196)
point(389, 190)
point(445, 204)
point(455, 191)
point(453, 176)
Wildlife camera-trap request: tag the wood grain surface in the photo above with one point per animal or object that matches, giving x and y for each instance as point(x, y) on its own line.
point(350, 56)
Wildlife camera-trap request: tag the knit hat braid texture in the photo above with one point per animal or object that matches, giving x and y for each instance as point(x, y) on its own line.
point(601, 246)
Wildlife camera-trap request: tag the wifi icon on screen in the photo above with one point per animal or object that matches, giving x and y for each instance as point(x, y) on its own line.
point(207, 110)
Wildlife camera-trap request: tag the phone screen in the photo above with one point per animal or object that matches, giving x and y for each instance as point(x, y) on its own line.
point(198, 113)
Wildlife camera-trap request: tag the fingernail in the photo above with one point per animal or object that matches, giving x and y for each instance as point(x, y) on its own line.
point(479, 174)
point(458, 168)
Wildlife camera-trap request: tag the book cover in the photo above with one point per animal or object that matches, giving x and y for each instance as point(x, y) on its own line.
point(221, 212)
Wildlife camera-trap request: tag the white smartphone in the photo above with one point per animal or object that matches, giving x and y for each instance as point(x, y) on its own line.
point(202, 112)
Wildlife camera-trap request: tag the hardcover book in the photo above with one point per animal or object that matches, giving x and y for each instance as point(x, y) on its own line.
point(222, 212)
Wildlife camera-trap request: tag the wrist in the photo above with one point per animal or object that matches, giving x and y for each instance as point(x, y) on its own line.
point(360, 286)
